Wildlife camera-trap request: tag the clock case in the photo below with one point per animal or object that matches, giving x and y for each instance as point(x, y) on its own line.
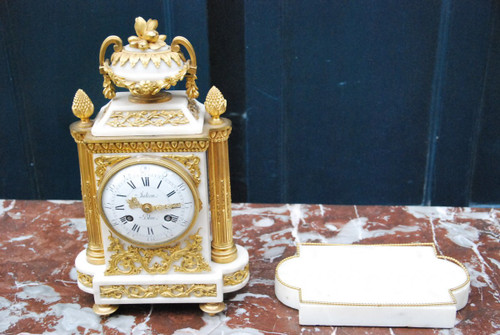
point(205, 263)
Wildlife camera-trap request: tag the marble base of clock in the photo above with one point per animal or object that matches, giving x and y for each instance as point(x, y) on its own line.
point(403, 285)
point(206, 287)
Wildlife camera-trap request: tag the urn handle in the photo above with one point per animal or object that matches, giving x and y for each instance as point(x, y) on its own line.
point(191, 88)
point(109, 87)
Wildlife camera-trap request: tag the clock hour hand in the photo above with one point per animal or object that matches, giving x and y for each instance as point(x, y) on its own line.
point(134, 203)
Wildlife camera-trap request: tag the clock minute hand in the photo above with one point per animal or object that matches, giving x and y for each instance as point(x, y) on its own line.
point(169, 206)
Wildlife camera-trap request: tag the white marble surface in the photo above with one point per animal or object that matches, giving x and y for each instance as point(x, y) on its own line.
point(372, 285)
point(121, 103)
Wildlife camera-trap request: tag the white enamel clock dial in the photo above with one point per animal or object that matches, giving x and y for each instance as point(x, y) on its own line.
point(148, 201)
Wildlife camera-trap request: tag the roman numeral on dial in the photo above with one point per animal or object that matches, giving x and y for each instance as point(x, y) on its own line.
point(131, 184)
point(136, 228)
point(170, 194)
point(145, 181)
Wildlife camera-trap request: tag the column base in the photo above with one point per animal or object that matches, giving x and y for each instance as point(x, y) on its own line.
point(224, 255)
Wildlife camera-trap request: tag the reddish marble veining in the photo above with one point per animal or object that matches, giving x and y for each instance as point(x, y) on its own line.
point(40, 240)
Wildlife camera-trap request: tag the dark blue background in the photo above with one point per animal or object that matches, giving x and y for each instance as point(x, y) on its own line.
point(338, 102)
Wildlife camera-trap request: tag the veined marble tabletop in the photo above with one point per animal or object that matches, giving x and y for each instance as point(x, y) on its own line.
point(40, 239)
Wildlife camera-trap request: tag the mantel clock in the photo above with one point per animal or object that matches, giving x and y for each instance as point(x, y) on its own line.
point(155, 181)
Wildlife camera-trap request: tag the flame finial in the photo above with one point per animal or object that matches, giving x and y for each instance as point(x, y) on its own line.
point(147, 36)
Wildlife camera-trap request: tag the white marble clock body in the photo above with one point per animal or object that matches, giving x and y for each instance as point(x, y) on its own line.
point(123, 278)
point(179, 109)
